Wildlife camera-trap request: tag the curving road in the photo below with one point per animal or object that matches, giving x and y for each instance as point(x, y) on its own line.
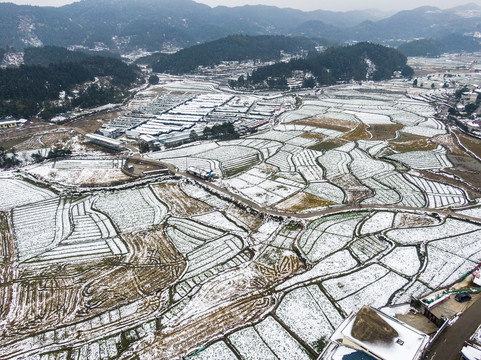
point(318, 213)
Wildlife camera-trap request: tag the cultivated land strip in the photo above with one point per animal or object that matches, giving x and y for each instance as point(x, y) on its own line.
point(328, 211)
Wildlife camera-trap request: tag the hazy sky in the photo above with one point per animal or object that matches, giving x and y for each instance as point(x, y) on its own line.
point(340, 5)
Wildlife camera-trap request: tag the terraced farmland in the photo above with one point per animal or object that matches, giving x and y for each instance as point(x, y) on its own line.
point(344, 201)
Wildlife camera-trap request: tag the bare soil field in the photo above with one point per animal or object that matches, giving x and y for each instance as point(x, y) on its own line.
point(326, 123)
point(384, 131)
point(92, 123)
point(50, 296)
point(355, 191)
point(410, 142)
point(465, 168)
point(470, 143)
point(303, 201)
point(328, 144)
point(359, 133)
point(451, 143)
point(228, 301)
point(179, 203)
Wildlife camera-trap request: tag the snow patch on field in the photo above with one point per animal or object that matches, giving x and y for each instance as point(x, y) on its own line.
point(404, 260)
point(309, 314)
point(379, 221)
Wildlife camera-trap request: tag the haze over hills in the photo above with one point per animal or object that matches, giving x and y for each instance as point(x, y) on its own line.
point(122, 25)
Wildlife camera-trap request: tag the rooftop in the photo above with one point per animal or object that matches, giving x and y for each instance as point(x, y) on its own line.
point(380, 335)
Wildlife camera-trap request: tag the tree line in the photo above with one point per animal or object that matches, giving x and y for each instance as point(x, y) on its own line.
point(26, 90)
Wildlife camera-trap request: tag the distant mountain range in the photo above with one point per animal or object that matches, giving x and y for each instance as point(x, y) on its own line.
point(125, 25)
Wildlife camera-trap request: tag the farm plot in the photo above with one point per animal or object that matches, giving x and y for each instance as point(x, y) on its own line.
point(279, 340)
point(474, 212)
point(410, 194)
point(418, 235)
point(303, 141)
point(82, 172)
point(132, 209)
point(302, 202)
point(217, 351)
point(335, 163)
point(266, 147)
point(282, 160)
point(218, 220)
point(286, 236)
point(264, 187)
point(305, 163)
point(376, 294)
point(34, 227)
point(424, 160)
point(187, 235)
point(336, 263)
point(180, 204)
point(407, 118)
point(243, 218)
point(233, 158)
point(366, 168)
point(7, 260)
point(200, 194)
point(93, 237)
point(183, 163)
point(184, 151)
point(379, 221)
point(382, 193)
point(327, 191)
point(367, 247)
point(14, 192)
point(280, 136)
point(309, 314)
point(371, 119)
point(444, 268)
point(464, 245)
point(250, 345)
point(438, 194)
point(403, 260)
point(211, 254)
point(329, 234)
point(344, 286)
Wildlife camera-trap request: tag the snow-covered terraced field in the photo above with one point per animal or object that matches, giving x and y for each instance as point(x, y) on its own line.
point(132, 209)
point(35, 227)
point(327, 235)
point(424, 160)
point(15, 192)
point(82, 172)
point(309, 313)
point(439, 195)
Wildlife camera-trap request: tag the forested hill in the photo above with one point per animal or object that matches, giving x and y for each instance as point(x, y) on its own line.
point(51, 54)
point(26, 90)
point(47, 55)
point(452, 43)
point(357, 62)
point(231, 48)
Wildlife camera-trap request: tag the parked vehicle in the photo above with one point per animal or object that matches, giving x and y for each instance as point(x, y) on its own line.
point(462, 297)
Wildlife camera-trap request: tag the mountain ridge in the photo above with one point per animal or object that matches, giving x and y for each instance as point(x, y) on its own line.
point(123, 26)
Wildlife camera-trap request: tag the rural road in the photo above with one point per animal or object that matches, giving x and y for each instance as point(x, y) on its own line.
point(451, 341)
point(323, 212)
